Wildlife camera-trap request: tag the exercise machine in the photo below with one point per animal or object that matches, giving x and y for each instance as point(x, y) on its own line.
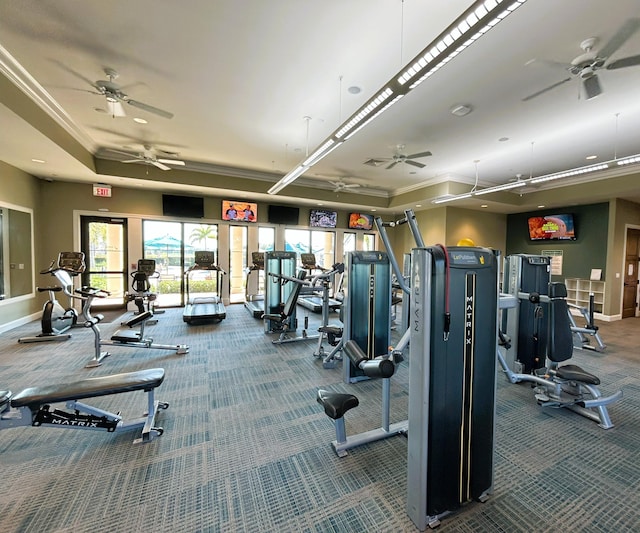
point(581, 334)
point(276, 294)
point(312, 297)
point(33, 406)
point(56, 320)
point(365, 312)
point(254, 301)
point(336, 404)
point(141, 286)
point(201, 308)
point(128, 338)
point(454, 319)
point(284, 321)
point(366, 307)
point(538, 337)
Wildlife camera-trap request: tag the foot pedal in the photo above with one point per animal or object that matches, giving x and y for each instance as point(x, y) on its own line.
point(542, 398)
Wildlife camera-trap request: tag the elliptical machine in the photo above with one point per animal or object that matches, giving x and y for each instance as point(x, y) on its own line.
point(56, 320)
point(141, 287)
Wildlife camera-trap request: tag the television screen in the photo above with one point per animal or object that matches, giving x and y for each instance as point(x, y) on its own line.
point(319, 218)
point(360, 221)
point(182, 206)
point(552, 227)
point(280, 214)
point(239, 211)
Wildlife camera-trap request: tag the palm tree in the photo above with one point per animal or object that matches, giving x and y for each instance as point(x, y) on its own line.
point(202, 234)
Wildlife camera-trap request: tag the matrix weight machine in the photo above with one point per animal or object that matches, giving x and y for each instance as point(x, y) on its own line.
point(278, 263)
point(452, 385)
point(539, 337)
point(56, 320)
point(366, 307)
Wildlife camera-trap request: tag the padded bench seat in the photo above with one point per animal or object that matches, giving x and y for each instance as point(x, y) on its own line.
point(34, 397)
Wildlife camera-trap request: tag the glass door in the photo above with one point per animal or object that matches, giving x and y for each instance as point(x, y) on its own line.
point(173, 246)
point(104, 243)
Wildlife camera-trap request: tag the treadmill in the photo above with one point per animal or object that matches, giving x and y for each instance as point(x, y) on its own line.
point(311, 298)
point(204, 308)
point(254, 302)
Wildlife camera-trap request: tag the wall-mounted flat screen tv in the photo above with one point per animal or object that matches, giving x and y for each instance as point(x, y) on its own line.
point(281, 214)
point(360, 221)
point(241, 211)
point(319, 218)
point(182, 206)
point(552, 227)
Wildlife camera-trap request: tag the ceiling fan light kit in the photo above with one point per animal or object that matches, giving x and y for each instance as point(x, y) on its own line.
point(477, 20)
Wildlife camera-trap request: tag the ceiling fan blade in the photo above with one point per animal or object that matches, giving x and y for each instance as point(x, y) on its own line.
point(160, 165)
point(351, 185)
point(624, 62)
point(115, 109)
point(171, 161)
point(133, 160)
point(150, 109)
point(542, 91)
point(621, 37)
point(391, 165)
point(414, 163)
point(592, 87)
point(419, 155)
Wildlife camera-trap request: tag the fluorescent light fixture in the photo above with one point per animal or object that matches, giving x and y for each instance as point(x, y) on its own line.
point(300, 169)
point(567, 173)
point(444, 199)
point(503, 187)
point(629, 160)
point(477, 20)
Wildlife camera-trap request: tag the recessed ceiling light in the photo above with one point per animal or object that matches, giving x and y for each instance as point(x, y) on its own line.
point(38, 160)
point(320, 203)
point(418, 205)
point(354, 89)
point(484, 205)
point(591, 157)
point(540, 206)
point(460, 110)
point(140, 120)
point(374, 210)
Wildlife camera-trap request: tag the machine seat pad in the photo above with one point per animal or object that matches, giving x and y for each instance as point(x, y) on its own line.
point(575, 373)
point(334, 330)
point(274, 317)
point(34, 397)
point(126, 335)
point(336, 404)
point(137, 319)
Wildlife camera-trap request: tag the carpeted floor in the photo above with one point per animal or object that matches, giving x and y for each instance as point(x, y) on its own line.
point(246, 446)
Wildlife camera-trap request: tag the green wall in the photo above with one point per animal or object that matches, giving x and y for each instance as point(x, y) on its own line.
point(22, 190)
point(588, 251)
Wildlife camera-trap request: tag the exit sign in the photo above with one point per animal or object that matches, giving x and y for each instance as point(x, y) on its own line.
point(102, 190)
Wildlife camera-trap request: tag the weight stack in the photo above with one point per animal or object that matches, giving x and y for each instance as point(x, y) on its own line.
point(452, 380)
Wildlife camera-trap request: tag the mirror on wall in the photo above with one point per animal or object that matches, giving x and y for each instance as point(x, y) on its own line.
point(16, 252)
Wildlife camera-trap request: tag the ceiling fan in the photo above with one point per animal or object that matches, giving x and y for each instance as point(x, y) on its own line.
point(149, 157)
point(585, 66)
point(339, 186)
point(399, 157)
point(115, 96)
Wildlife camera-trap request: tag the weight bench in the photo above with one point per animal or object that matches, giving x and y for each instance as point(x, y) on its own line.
point(32, 406)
